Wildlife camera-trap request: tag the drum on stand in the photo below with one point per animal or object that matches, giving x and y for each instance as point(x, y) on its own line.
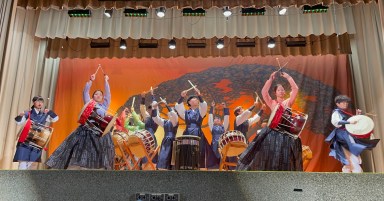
point(187, 152)
point(233, 143)
point(362, 129)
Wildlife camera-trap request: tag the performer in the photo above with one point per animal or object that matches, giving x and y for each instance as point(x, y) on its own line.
point(84, 148)
point(193, 119)
point(217, 129)
point(170, 129)
point(150, 125)
point(243, 120)
point(272, 149)
point(132, 122)
point(345, 147)
point(27, 154)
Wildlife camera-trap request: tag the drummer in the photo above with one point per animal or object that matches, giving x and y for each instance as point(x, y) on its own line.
point(193, 119)
point(217, 129)
point(84, 148)
point(345, 147)
point(146, 112)
point(273, 150)
point(170, 126)
point(243, 118)
point(26, 154)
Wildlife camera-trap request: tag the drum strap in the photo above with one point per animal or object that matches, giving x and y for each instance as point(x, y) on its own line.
point(24, 132)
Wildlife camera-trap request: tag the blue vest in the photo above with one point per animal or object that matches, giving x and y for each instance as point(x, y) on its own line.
point(169, 130)
point(193, 121)
point(217, 131)
point(150, 125)
point(243, 128)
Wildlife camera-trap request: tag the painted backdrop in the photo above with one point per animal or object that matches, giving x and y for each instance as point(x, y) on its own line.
point(228, 79)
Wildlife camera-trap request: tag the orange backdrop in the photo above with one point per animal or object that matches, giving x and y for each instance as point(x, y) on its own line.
point(129, 77)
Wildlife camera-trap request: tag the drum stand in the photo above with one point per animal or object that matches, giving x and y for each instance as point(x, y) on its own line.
point(230, 149)
point(124, 160)
point(137, 148)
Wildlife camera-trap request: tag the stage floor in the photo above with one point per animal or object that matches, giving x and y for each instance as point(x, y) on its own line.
point(189, 185)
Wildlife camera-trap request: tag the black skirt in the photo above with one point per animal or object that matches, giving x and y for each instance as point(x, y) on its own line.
point(272, 151)
point(85, 148)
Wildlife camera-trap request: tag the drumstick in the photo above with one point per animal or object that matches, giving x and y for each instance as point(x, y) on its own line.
point(192, 84)
point(278, 62)
point(133, 101)
point(370, 114)
point(150, 90)
point(97, 69)
point(48, 103)
point(162, 100)
point(191, 88)
point(102, 70)
point(257, 95)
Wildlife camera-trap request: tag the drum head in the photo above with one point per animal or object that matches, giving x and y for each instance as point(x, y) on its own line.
point(232, 143)
point(110, 125)
point(86, 111)
point(363, 126)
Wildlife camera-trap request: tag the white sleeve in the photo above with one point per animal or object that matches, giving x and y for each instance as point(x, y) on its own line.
point(243, 117)
point(158, 120)
point(226, 122)
point(336, 117)
point(210, 121)
point(180, 109)
point(143, 111)
point(173, 118)
point(254, 119)
point(203, 107)
point(21, 121)
point(50, 119)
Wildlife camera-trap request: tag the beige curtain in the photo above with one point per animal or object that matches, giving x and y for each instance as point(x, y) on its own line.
point(58, 4)
point(80, 48)
point(57, 24)
point(5, 16)
point(25, 74)
point(368, 70)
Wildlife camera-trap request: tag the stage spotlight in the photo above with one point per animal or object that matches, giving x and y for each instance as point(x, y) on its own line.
point(226, 11)
point(123, 44)
point(172, 44)
point(271, 43)
point(282, 11)
point(108, 13)
point(220, 43)
point(160, 12)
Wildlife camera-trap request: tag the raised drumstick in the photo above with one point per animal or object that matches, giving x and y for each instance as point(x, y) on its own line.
point(150, 90)
point(191, 88)
point(133, 102)
point(99, 66)
point(192, 84)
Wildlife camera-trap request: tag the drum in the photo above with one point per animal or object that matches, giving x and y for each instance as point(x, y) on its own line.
point(233, 142)
point(119, 137)
point(187, 152)
point(148, 140)
point(39, 135)
point(89, 117)
point(362, 129)
point(306, 156)
point(287, 120)
point(119, 140)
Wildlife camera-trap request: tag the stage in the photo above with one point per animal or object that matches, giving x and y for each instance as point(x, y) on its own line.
point(189, 185)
